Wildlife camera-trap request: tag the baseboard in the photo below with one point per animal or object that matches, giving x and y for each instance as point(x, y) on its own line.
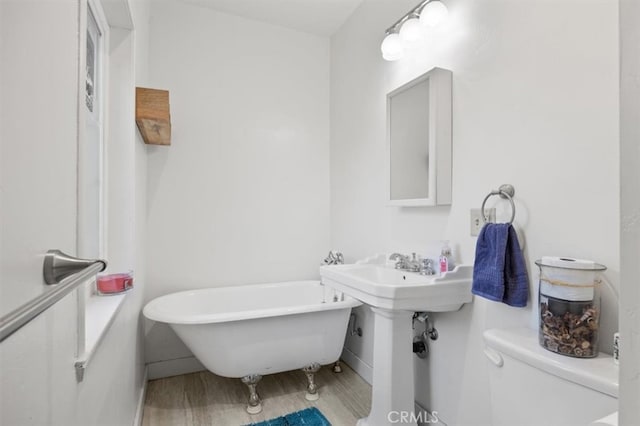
point(137, 421)
point(363, 369)
point(174, 367)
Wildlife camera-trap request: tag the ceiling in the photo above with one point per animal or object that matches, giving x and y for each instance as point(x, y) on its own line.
point(320, 17)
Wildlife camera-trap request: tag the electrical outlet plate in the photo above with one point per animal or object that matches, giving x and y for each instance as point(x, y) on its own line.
point(477, 223)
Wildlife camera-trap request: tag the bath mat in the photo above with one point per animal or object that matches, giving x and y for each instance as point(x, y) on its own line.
point(307, 417)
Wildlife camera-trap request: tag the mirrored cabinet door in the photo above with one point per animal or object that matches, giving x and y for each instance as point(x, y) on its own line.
point(419, 141)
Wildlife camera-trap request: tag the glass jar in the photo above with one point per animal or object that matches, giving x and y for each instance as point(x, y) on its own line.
point(569, 297)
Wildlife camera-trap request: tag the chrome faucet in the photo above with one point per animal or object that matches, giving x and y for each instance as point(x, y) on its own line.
point(413, 265)
point(404, 263)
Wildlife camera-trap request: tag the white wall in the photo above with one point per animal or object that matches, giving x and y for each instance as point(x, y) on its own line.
point(535, 104)
point(39, 143)
point(630, 210)
point(140, 10)
point(242, 194)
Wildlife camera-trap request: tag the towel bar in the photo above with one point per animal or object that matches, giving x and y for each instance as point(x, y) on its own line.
point(505, 191)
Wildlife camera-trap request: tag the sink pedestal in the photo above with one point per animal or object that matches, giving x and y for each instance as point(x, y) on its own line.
point(394, 295)
point(392, 391)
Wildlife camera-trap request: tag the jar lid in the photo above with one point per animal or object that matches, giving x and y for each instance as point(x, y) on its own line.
point(570, 263)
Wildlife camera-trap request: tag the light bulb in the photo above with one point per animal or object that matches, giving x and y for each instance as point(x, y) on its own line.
point(411, 30)
point(433, 14)
point(392, 47)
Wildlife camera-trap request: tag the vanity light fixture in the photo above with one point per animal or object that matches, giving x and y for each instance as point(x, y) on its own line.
point(409, 28)
point(433, 14)
point(392, 47)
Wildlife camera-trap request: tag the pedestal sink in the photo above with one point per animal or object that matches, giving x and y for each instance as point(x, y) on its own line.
point(394, 296)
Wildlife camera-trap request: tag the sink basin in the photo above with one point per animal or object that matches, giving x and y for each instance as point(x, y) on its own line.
point(384, 287)
point(394, 295)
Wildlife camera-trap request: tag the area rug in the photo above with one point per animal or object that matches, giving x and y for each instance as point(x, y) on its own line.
point(307, 417)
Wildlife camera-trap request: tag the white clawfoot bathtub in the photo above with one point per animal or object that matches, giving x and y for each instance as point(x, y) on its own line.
point(251, 330)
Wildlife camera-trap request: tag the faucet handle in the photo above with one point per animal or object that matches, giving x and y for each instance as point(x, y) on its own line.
point(333, 258)
point(427, 267)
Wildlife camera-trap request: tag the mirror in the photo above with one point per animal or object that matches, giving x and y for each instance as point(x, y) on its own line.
point(419, 141)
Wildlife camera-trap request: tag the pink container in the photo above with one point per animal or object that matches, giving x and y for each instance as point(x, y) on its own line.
point(114, 283)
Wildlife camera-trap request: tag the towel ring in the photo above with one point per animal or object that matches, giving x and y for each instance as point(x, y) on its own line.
point(505, 191)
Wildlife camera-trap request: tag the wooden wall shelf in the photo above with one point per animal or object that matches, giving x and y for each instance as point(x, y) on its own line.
point(152, 116)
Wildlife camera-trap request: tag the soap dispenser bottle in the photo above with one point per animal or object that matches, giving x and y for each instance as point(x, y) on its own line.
point(445, 260)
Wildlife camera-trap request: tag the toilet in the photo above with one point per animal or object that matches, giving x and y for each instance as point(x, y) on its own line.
point(530, 385)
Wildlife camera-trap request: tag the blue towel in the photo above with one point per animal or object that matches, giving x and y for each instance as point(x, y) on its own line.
point(499, 271)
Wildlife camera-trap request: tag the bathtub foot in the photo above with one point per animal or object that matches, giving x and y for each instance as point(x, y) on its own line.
point(312, 388)
point(255, 405)
point(337, 368)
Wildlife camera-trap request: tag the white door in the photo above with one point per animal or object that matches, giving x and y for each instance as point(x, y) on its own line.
point(39, 87)
point(38, 141)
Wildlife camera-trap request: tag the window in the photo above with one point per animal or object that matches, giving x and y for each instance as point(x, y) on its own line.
point(91, 150)
point(95, 313)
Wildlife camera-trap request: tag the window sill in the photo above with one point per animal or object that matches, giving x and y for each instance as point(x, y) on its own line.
point(100, 313)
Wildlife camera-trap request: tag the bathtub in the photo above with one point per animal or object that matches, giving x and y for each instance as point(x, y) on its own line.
point(245, 330)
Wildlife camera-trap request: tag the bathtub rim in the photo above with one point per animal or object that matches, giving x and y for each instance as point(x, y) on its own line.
point(150, 312)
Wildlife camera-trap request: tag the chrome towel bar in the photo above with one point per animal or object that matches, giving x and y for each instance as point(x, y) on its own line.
point(76, 272)
point(505, 191)
point(58, 265)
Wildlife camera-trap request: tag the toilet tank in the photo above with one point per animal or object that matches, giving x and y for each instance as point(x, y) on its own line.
point(532, 386)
